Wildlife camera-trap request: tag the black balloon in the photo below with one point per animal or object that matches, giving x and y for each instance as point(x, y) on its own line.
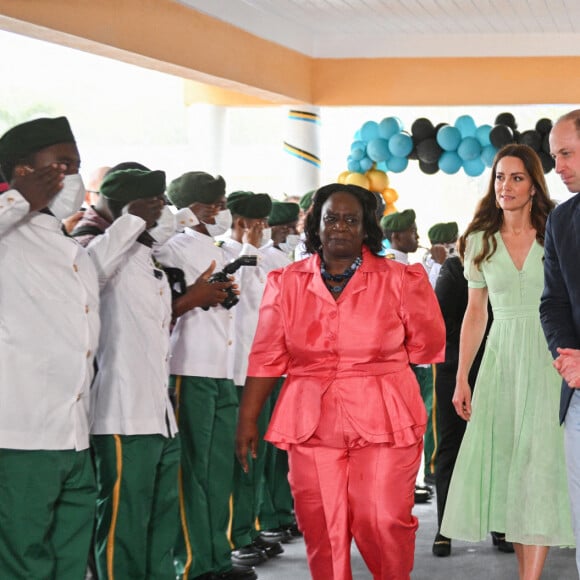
point(547, 162)
point(506, 119)
point(428, 151)
point(531, 138)
point(544, 126)
point(428, 168)
point(501, 135)
point(439, 125)
point(422, 129)
point(546, 144)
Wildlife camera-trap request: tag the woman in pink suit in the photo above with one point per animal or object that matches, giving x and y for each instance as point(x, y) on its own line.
point(344, 325)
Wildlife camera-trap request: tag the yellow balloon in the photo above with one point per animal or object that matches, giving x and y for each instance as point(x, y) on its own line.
point(357, 179)
point(390, 195)
point(379, 179)
point(342, 177)
point(390, 209)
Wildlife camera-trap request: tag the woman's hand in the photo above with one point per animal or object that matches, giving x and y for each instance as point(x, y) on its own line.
point(462, 399)
point(246, 441)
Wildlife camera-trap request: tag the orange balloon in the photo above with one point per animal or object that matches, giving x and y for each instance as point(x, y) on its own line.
point(357, 179)
point(390, 195)
point(379, 180)
point(342, 177)
point(390, 208)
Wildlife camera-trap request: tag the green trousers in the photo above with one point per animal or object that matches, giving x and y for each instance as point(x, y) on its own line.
point(425, 378)
point(248, 487)
point(137, 506)
point(206, 411)
point(277, 507)
point(47, 507)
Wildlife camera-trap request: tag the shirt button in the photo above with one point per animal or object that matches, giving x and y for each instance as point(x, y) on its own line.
point(86, 309)
point(230, 342)
point(160, 292)
point(10, 199)
point(89, 353)
point(78, 397)
point(333, 315)
point(75, 268)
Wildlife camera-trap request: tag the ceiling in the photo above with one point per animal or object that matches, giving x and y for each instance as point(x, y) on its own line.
point(407, 28)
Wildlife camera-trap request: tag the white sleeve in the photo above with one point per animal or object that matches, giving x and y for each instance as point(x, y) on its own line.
point(13, 208)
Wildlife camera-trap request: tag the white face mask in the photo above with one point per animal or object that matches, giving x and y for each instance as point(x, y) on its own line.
point(292, 240)
point(223, 221)
point(185, 218)
point(70, 198)
point(266, 236)
point(164, 228)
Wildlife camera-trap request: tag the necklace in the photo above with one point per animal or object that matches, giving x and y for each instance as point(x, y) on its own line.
point(342, 278)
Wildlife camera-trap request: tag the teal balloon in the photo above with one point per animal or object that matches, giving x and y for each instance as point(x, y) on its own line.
point(482, 135)
point(450, 162)
point(358, 144)
point(390, 126)
point(397, 164)
point(469, 149)
point(370, 130)
point(400, 145)
point(466, 126)
point(357, 154)
point(356, 136)
point(382, 166)
point(378, 149)
point(365, 164)
point(488, 155)
point(353, 165)
point(448, 138)
point(474, 168)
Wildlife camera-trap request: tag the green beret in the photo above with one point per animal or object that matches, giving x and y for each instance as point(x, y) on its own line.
point(306, 200)
point(249, 205)
point(283, 212)
point(443, 233)
point(32, 136)
point(398, 221)
point(128, 185)
point(196, 186)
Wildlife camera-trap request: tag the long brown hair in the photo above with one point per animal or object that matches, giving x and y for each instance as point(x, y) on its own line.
point(488, 217)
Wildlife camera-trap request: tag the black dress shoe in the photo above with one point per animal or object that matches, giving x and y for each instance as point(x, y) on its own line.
point(238, 573)
point(421, 495)
point(426, 488)
point(441, 546)
point(271, 549)
point(499, 541)
point(294, 531)
point(206, 576)
point(275, 535)
point(250, 555)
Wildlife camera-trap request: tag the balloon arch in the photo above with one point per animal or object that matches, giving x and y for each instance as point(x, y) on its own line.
point(386, 146)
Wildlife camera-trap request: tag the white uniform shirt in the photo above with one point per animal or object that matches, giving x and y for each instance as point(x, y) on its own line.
point(49, 327)
point(202, 342)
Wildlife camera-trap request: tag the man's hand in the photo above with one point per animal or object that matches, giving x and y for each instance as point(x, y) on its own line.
point(438, 253)
point(147, 209)
point(568, 365)
point(39, 186)
point(253, 234)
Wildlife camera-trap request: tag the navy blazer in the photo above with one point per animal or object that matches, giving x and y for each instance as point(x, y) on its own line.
point(560, 303)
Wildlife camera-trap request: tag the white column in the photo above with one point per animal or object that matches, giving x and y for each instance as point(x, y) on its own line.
point(205, 132)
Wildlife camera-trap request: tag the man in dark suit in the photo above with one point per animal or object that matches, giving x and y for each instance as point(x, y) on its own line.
point(560, 305)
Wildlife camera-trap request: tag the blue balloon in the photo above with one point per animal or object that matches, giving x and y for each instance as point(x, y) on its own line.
point(370, 130)
point(482, 135)
point(400, 145)
point(358, 144)
point(448, 138)
point(353, 165)
point(390, 126)
point(382, 166)
point(488, 155)
point(378, 149)
point(366, 164)
point(474, 168)
point(357, 154)
point(466, 125)
point(397, 164)
point(469, 149)
point(356, 136)
point(450, 162)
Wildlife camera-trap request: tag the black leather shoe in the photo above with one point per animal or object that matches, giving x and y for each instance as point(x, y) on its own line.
point(499, 540)
point(270, 548)
point(294, 531)
point(238, 573)
point(250, 555)
point(441, 546)
point(421, 495)
point(275, 535)
point(426, 488)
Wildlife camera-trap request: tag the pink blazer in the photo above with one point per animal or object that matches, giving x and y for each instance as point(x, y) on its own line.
point(362, 344)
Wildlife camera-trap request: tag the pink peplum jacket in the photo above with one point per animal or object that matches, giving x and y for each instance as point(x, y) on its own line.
point(362, 344)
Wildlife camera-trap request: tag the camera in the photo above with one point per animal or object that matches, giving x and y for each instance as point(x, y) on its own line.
point(222, 276)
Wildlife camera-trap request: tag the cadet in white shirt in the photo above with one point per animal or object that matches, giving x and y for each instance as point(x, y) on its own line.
point(49, 327)
point(202, 369)
point(134, 429)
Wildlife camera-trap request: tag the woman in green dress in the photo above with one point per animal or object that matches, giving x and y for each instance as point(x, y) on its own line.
point(510, 473)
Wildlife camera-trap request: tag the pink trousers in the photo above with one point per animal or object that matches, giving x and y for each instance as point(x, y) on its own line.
point(345, 487)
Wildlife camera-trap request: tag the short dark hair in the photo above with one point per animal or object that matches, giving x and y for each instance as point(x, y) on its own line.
point(373, 234)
